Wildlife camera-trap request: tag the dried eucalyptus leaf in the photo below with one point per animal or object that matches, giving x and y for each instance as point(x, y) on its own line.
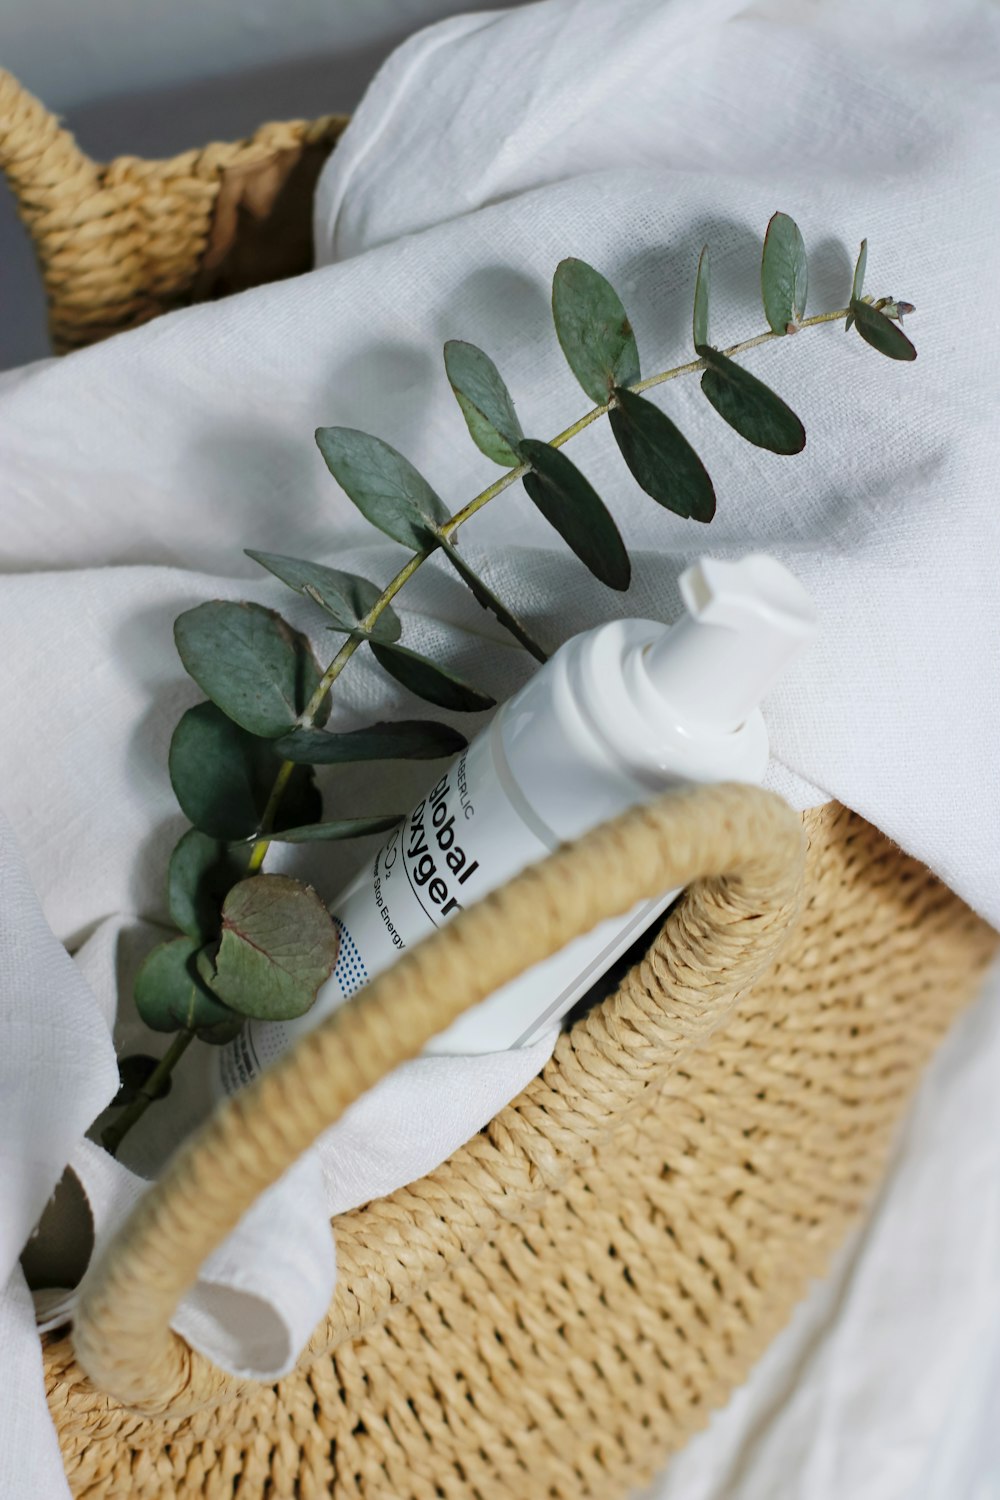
point(279, 945)
point(427, 680)
point(346, 597)
point(222, 777)
point(749, 406)
point(339, 828)
point(385, 487)
point(486, 403)
point(171, 996)
point(702, 290)
point(250, 662)
point(594, 330)
point(876, 329)
point(569, 502)
point(485, 596)
point(202, 871)
point(402, 739)
point(784, 274)
point(660, 457)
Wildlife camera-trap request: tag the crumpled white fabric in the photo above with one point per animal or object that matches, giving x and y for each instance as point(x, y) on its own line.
point(631, 134)
point(132, 474)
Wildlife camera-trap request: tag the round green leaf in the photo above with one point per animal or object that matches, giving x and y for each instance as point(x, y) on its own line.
point(879, 331)
point(250, 662)
point(660, 457)
point(222, 777)
point(171, 996)
point(279, 945)
point(702, 289)
point(485, 401)
point(346, 597)
point(749, 406)
point(201, 871)
point(593, 328)
point(339, 828)
point(404, 739)
point(569, 502)
point(485, 596)
point(384, 485)
point(784, 274)
point(427, 680)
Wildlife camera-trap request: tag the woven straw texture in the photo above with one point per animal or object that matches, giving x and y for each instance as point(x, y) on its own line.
point(118, 244)
point(563, 1302)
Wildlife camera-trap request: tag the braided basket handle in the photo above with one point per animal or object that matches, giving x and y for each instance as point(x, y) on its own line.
point(121, 242)
point(44, 166)
point(750, 837)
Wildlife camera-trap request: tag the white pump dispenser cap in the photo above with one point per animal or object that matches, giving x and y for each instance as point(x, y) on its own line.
point(745, 620)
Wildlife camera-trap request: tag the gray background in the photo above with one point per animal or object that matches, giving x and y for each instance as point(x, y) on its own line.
point(155, 78)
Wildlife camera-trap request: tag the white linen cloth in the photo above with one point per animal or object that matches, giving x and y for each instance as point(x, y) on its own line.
point(132, 474)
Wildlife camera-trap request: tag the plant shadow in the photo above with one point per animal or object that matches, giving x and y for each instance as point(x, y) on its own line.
point(496, 307)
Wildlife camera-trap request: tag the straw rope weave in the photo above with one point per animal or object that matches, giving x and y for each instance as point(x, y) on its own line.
point(566, 1299)
point(563, 1302)
point(118, 244)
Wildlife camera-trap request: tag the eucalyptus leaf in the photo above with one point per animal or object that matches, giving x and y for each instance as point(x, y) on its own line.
point(660, 457)
point(702, 290)
point(385, 487)
point(402, 739)
point(784, 274)
point(485, 401)
point(749, 406)
point(346, 597)
point(879, 331)
point(171, 996)
point(427, 680)
point(594, 330)
point(222, 777)
point(279, 945)
point(485, 596)
point(569, 502)
point(202, 871)
point(858, 285)
point(339, 828)
point(250, 662)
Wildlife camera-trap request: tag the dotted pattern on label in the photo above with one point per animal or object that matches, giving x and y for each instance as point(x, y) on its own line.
point(350, 970)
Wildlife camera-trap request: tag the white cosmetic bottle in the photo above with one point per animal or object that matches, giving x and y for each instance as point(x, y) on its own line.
point(618, 714)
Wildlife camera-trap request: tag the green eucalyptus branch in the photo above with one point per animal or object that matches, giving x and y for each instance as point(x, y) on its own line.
point(242, 764)
point(450, 528)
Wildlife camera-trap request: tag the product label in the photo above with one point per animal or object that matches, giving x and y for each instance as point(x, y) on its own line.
point(436, 864)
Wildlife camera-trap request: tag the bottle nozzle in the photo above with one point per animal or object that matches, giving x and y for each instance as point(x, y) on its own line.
point(745, 621)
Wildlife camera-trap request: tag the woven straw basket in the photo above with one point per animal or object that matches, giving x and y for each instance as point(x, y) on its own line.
point(563, 1302)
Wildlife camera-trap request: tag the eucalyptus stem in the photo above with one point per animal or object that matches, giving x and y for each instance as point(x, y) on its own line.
point(448, 529)
point(114, 1134)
